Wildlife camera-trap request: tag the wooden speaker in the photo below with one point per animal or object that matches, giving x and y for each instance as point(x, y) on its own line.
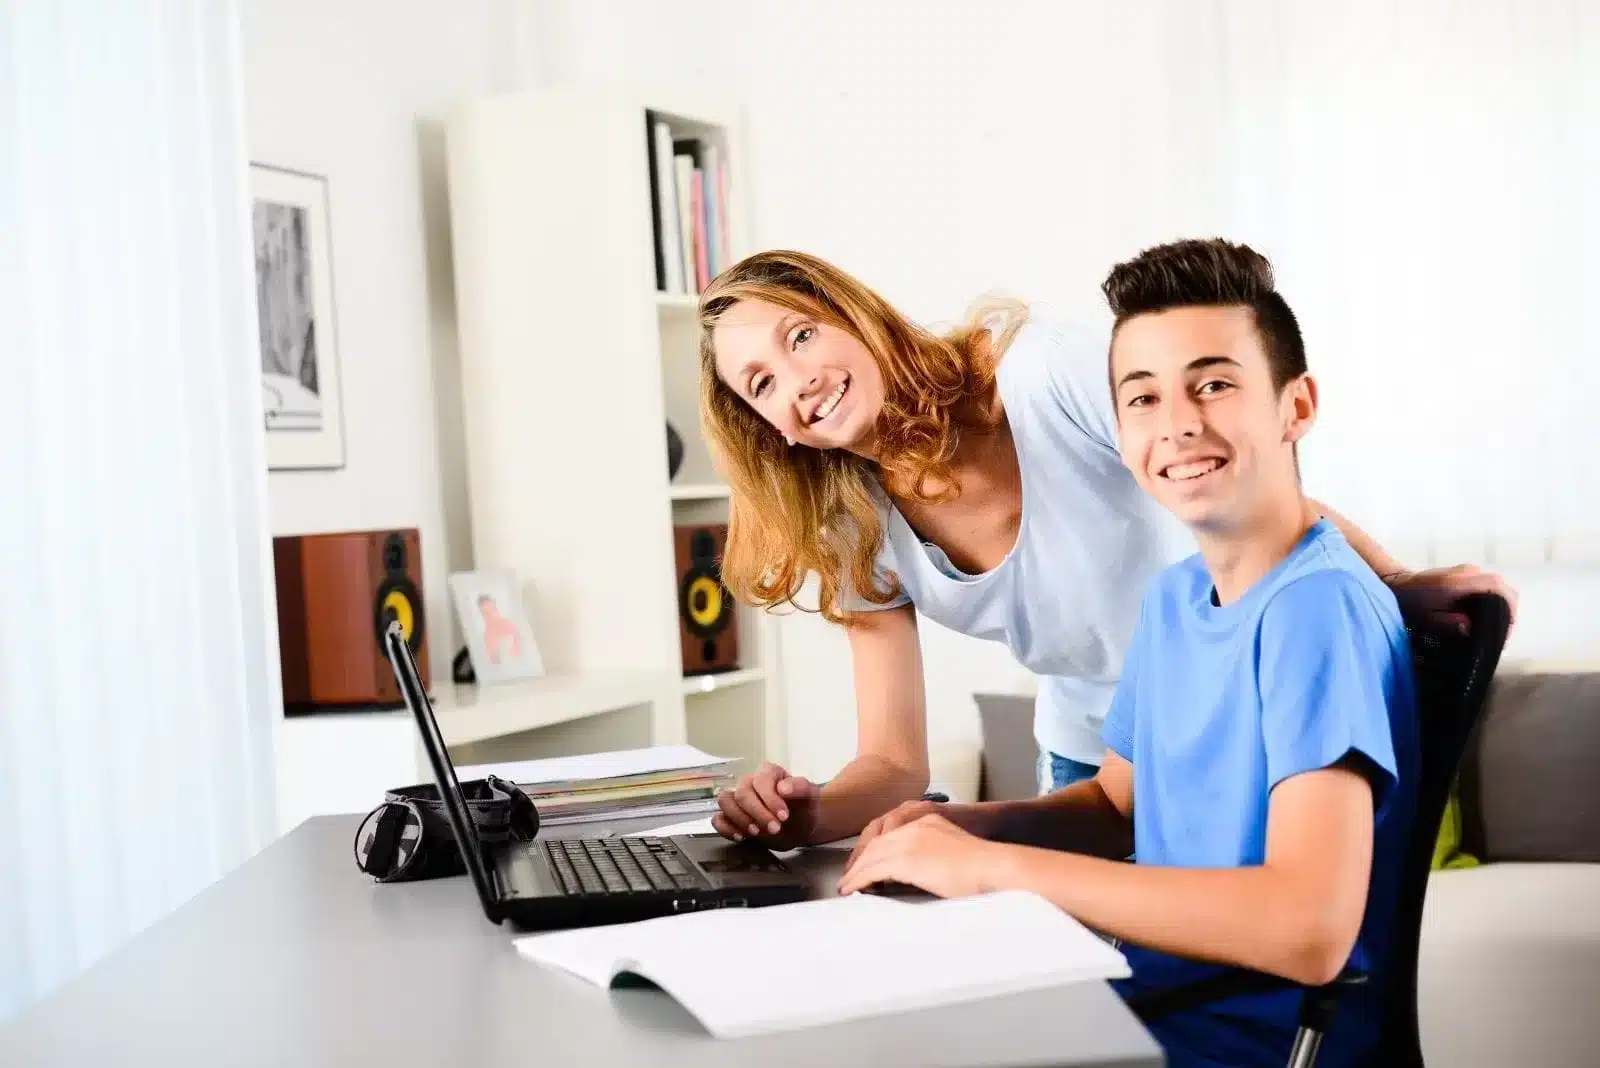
point(706, 622)
point(336, 595)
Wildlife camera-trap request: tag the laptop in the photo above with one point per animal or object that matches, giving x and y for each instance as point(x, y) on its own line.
point(583, 882)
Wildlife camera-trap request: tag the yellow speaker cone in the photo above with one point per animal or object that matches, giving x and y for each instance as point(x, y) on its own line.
point(400, 605)
point(705, 601)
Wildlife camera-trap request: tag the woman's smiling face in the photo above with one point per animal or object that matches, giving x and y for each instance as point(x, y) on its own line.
point(817, 384)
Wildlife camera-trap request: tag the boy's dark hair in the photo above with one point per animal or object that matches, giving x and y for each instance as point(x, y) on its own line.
point(1210, 273)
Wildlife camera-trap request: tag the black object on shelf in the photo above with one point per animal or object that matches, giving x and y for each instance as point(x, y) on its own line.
point(461, 667)
point(674, 452)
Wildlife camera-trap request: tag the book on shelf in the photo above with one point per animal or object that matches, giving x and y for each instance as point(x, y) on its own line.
point(665, 212)
point(688, 208)
point(663, 780)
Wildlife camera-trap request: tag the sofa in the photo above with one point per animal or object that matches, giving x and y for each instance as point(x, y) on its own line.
point(1509, 966)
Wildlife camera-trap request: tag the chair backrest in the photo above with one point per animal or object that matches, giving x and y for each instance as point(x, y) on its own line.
point(1453, 671)
point(1010, 769)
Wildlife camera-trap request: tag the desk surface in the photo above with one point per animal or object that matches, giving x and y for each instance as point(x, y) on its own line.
point(298, 959)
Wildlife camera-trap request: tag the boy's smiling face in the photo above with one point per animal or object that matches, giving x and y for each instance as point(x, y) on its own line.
point(1199, 421)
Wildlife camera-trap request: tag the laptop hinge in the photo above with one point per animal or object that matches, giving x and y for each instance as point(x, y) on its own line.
point(497, 886)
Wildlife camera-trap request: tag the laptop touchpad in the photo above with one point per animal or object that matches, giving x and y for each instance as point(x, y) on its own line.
point(718, 856)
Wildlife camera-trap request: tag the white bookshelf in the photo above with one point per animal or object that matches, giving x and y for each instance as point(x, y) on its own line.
point(696, 684)
point(701, 491)
point(677, 303)
point(572, 362)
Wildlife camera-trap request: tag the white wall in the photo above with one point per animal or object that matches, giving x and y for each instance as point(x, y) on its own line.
point(345, 90)
point(937, 152)
point(353, 90)
point(934, 152)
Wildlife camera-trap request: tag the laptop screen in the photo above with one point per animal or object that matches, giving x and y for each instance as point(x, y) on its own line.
point(444, 773)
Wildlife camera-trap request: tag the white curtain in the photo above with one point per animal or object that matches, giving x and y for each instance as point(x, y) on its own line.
point(1425, 174)
point(137, 662)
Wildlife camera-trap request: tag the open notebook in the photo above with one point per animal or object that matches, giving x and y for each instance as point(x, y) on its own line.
point(838, 958)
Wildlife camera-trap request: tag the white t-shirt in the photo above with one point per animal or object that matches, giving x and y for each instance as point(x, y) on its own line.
point(1066, 597)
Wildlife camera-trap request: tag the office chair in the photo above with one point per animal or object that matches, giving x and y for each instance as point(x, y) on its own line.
point(1452, 673)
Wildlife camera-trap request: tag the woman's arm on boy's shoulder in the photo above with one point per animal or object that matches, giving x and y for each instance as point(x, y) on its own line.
point(1431, 590)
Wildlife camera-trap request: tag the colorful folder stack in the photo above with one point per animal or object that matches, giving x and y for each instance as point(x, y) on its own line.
point(663, 780)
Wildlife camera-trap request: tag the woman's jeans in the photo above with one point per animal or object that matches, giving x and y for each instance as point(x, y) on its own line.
point(1057, 771)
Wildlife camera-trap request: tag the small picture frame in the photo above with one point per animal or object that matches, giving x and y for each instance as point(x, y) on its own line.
point(495, 627)
point(301, 390)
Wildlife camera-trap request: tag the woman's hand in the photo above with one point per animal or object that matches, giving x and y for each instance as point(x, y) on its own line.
point(1435, 590)
point(770, 806)
point(971, 818)
point(930, 853)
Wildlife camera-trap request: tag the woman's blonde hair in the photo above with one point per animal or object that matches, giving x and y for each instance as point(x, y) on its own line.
point(797, 511)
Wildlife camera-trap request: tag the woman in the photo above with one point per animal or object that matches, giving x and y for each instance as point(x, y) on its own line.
point(972, 477)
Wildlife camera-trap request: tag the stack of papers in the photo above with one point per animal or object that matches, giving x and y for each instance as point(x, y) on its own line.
point(840, 958)
point(662, 780)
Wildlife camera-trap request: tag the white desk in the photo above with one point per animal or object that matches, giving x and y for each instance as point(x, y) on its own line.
point(299, 959)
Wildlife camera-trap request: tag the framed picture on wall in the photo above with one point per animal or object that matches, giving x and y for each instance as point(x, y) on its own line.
point(301, 399)
point(494, 625)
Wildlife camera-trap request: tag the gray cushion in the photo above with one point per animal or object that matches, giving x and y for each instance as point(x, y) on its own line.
point(1010, 755)
point(1529, 787)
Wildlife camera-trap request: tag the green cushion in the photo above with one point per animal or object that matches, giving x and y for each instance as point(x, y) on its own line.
point(1447, 848)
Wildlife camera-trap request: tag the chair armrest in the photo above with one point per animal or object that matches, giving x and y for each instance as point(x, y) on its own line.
point(1316, 1010)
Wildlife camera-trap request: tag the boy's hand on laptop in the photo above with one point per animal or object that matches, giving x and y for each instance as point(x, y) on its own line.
point(968, 817)
point(1436, 589)
point(770, 806)
point(930, 853)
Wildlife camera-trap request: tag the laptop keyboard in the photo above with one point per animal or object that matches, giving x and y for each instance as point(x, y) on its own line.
point(618, 865)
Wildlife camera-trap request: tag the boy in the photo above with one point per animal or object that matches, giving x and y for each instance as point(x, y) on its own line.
point(1262, 742)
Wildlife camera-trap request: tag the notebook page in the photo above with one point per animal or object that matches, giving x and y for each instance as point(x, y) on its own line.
point(843, 958)
point(599, 953)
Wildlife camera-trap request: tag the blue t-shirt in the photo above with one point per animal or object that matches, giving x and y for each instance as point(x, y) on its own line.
point(1219, 704)
point(1065, 599)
